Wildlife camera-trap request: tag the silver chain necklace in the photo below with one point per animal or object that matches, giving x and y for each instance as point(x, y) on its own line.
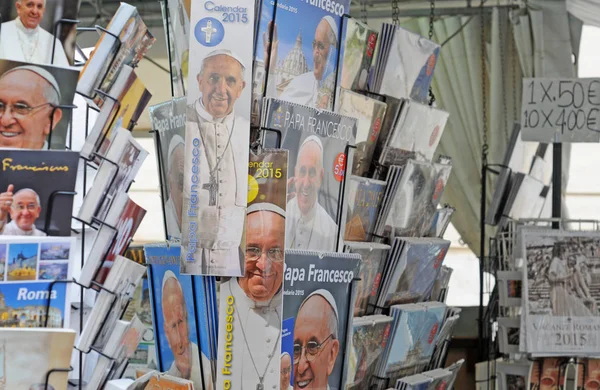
point(259, 385)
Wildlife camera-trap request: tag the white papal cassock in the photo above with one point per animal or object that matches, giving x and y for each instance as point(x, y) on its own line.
point(195, 374)
point(260, 340)
point(11, 229)
point(19, 43)
point(315, 231)
point(224, 153)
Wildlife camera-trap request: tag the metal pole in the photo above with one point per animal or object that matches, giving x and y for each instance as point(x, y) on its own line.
point(556, 183)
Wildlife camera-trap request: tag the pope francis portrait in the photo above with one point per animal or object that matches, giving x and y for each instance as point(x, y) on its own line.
point(257, 303)
point(305, 88)
point(217, 160)
point(24, 40)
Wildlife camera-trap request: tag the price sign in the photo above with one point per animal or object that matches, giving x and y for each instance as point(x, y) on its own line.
point(556, 110)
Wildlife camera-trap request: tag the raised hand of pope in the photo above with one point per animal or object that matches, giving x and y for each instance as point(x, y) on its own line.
point(6, 201)
point(270, 45)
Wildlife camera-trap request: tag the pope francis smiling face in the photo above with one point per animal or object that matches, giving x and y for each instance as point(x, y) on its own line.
point(221, 82)
point(31, 12)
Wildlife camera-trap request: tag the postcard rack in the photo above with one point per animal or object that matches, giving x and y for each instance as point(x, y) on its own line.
point(92, 162)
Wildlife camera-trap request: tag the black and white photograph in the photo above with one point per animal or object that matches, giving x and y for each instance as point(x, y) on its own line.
point(34, 31)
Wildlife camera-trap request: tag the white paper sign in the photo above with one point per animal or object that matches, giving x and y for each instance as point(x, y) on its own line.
point(566, 110)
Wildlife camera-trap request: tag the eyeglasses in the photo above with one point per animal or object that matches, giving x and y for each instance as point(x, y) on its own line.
point(216, 78)
point(319, 45)
point(20, 109)
point(286, 371)
point(253, 253)
point(312, 349)
point(22, 207)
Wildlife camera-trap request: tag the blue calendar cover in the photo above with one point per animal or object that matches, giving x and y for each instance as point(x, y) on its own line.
point(178, 346)
point(303, 56)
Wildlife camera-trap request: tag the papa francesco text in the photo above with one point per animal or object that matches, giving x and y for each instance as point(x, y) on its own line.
point(226, 370)
point(315, 274)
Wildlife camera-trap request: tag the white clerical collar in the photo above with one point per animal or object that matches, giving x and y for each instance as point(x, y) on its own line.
point(28, 31)
point(311, 213)
point(237, 291)
point(228, 120)
point(20, 231)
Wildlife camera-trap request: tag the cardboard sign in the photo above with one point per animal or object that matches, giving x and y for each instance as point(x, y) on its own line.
point(556, 110)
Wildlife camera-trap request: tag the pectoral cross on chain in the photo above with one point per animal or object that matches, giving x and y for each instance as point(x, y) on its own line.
point(212, 188)
point(260, 387)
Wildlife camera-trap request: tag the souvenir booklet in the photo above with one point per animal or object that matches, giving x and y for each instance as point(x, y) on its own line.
point(51, 36)
point(178, 12)
point(440, 378)
point(454, 368)
point(303, 57)
point(560, 318)
point(31, 182)
point(369, 337)
point(414, 334)
point(318, 293)
point(586, 374)
point(317, 142)
point(121, 281)
point(356, 55)
point(217, 139)
point(543, 373)
point(369, 114)
point(364, 201)
point(28, 266)
point(416, 134)
point(256, 360)
point(414, 382)
point(115, 174)
point(26, 355)
point(168, 120)
point(172, 302)
point(415, 202)
point(373, 258)
point(131, 99)
point(110, 55)
point(205, 300)
point(405, 64)
point(392, 115)
point(47, 126)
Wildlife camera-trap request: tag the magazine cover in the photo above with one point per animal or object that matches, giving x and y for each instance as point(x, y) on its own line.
point(250, 358)
point(40, 97)
point(364, 201)
point(587, 374)
point(207, 318)
point(168, 120)
point(373, 261)
point(409, 66)
point(420, 263)
point(286, 367)
point(369, 114)
point(178, 345)
point(42, 34)
point(318, 293)
point(369, 337)
point(217, 139)
point(30, 182)
point(415, 202)
point(27, 267)
point(132, 97)
point(413, 339)
point(358, 47)
point(109, 56)
point(26, 355)
point(303, 57)
point(317, 142)
point(114, 175)
point(560, 301)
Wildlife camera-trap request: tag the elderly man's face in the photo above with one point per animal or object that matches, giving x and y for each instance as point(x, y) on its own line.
point(221, 83)
point(176, 326)
point(321, 46)
point(265, 232)
point(285, 372)
point(175, 177)
point(312, 371)
point(30, 12)
point(27, 129)
point(308, 176)
point(25, 210)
